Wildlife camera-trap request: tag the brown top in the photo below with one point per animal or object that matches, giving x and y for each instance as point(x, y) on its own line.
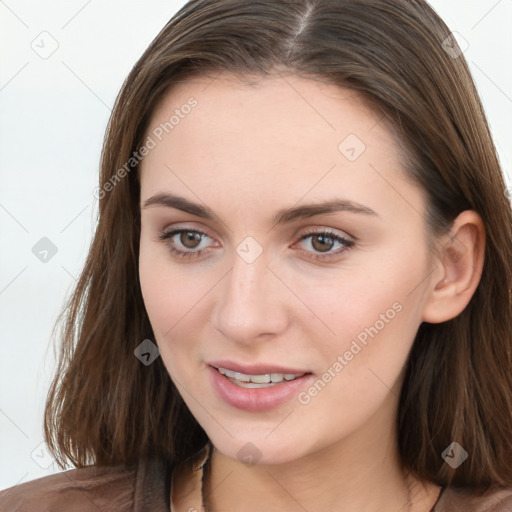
point(145, 487)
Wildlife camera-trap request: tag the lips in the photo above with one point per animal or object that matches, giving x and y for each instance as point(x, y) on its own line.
point(251, 387)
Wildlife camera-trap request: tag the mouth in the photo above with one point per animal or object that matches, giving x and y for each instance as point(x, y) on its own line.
point(262, 380)
point(256, 387)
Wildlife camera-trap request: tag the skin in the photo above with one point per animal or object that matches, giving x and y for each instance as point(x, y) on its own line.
point(246, 151)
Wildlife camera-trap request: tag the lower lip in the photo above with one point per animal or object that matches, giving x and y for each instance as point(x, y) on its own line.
point(256, 399)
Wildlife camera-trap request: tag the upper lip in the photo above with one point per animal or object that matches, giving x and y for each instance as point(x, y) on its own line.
point(255, 369)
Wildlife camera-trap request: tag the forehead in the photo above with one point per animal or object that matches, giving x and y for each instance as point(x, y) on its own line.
point(274, 102)
point(255, 136)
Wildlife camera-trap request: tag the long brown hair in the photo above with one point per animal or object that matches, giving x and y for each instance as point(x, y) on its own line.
point(105, 407)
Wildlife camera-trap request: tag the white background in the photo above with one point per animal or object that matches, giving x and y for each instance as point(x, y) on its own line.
point(53, 116)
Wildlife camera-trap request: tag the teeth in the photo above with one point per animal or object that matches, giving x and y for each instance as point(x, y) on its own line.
point(254, 381)
point(260, 379)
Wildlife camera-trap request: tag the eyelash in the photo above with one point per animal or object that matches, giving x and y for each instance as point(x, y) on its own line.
point(164, 236)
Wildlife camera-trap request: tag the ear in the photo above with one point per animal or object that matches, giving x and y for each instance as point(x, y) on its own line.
point(460, 267)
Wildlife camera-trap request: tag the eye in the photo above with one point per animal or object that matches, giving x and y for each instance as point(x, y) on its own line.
point(191, 239)
point(324, 241)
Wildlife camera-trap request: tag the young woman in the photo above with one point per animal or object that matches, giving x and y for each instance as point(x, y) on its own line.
point(298, 296)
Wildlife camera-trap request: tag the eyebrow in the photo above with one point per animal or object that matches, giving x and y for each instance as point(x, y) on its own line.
point(284, 216)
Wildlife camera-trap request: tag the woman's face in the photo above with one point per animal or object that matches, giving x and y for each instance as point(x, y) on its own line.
point(257, 278)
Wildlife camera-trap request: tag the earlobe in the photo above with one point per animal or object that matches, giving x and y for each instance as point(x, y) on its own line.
point(460, 262)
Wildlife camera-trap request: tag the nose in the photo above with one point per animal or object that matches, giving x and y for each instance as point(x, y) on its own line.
point(252, 301)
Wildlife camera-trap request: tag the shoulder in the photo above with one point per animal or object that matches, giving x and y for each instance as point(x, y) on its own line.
point(493, 499)
point(87, 489)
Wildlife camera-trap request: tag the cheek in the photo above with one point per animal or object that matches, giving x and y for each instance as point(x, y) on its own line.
point(168, 292)
point(161, 291)
point(369, 313)
point(154, 285)
point(354, 298)
point(374, 327)
point(163, 305)
point(174, 295)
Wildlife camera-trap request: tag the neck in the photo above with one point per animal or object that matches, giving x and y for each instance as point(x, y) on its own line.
point(314, 483)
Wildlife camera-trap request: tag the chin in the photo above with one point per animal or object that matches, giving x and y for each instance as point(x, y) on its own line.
point(252, 450)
